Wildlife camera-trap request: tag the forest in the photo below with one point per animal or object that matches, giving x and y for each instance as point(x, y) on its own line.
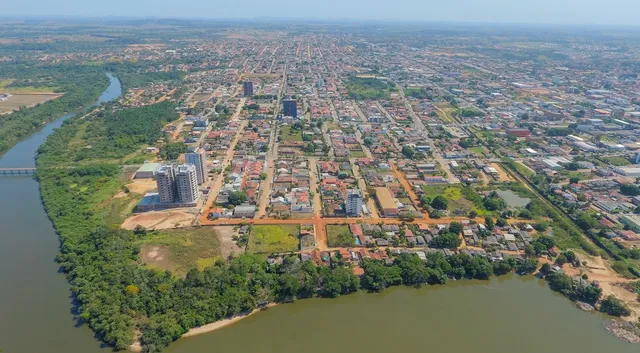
point(111, 133)
point(81, 86)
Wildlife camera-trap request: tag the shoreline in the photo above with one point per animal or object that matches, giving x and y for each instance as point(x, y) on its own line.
point(207, 328)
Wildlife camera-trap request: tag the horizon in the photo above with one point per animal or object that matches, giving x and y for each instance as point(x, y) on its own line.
point(315, 20)
point(542, 12)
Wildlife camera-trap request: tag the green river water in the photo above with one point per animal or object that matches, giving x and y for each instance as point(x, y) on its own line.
point(500, 316)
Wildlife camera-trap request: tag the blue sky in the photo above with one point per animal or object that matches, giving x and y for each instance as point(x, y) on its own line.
point(621, 12)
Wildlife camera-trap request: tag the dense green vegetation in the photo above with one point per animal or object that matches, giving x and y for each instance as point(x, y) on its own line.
point(564, 284)
point(420, 93)
point(134, 75)
point(369, 88)
point(109, 134)
point(408, 269)
point(81, 86)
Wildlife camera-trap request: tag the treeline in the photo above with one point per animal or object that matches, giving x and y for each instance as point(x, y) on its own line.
point(81, 85)
point(408, 269)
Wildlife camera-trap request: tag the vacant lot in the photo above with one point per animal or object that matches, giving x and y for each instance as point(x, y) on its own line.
point(461, 201)
point(180, 250)
point(228, 246)
point(159, 220)
point(17, 101)
point(268, 239)
point(339, 235)
point(286, 134)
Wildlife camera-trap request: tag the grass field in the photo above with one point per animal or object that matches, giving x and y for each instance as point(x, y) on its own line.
point(524, 170)
point(180, 250)
point(478, 150)
point(26, 89)
point(286, 135)
point(458, 203)
point(357, 153)
point(267, 239)
point(339, 235)
point(445, 112)
point(616, 161)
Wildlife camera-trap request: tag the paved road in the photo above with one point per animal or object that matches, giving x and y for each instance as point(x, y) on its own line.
point(218, 181)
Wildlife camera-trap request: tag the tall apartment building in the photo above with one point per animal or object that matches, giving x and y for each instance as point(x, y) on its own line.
point(353, 203)
point(165, 180)
point(248, 88)
point(198, 158)
point(290, 107)
point(187, 183)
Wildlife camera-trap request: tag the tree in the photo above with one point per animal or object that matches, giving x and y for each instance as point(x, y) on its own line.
point(527, 266)
point(586, 221)
point(589, 294)
point(446, 241)
point(501, 222)
point(456, 227)
point(489, 223)
point(237, 198)
point(630, 189)
point(614, 306)
point(440, 203)
point(560, 282)
point(574, 180)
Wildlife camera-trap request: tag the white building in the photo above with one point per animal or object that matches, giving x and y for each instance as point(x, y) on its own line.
point(199, 159)
point(187, 183)
point(165, 180)
point(353, 203)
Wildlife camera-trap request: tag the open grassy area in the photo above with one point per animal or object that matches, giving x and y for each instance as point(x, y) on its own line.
point(445, 112)
point(458, 203)
point(179, 250)
point(478, 150)
point(339, 235)
point(356, 153)
point(26, 89)
point(287, 135)
point(267, 239)
point(615, 161)
point(522, 169)
point(362, 88)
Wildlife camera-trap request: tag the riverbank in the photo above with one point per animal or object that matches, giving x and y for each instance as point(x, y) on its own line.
point(137, 347)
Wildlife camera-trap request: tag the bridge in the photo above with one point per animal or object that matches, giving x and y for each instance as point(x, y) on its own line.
point(17, 171)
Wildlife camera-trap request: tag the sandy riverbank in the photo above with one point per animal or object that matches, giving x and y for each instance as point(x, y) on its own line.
point(222, 323)
point(137, 347)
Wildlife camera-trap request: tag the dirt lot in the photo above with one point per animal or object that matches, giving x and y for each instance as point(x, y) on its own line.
point(156, 256)
point(160, 220)
point(28, 100)
point(504, 177)
point(142, 186)
point(228, 247)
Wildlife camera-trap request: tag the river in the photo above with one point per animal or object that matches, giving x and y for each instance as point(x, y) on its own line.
point(498, 316)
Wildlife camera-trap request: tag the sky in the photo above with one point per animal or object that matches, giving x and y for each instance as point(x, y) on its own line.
point(615, 12)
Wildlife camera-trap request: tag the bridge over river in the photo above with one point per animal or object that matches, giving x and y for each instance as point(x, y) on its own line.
point(17, 171)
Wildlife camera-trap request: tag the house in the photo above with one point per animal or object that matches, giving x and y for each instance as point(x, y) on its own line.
point(244, 211)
